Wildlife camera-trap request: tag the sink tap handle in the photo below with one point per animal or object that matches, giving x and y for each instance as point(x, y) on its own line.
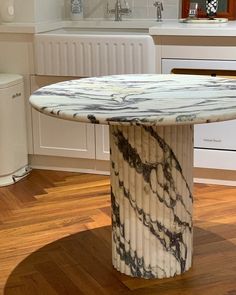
point(158, 4)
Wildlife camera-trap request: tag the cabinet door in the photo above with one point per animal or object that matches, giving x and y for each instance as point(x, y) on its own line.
point(102, 142)
point(57, 137)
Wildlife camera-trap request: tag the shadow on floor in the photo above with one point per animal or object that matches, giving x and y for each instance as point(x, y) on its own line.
point(81, 264)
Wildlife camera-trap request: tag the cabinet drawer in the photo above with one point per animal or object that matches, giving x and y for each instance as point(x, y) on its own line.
point(219, 136)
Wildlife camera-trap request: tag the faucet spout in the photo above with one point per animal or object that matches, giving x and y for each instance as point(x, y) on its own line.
point(118, 11)
point(159, 6)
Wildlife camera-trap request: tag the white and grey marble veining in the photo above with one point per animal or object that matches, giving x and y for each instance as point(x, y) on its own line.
point(140, 99)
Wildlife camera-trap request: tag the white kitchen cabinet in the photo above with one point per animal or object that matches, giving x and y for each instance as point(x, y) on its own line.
point(55, 137)
point(102, 142)
point(214, 143)
point(70, 53)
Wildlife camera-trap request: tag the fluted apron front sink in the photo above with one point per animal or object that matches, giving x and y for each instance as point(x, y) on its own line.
point(94, 52)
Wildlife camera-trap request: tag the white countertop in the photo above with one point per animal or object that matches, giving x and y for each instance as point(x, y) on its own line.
point(175, 28)
point(17, 28)
point(95, 23)
point(29, 28)
point(164, 28)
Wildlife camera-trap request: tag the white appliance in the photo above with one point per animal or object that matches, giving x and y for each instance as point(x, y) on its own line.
point(13, 140)
point(215, 143)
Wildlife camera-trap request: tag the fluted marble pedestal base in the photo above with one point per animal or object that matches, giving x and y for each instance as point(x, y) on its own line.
point(151, 184)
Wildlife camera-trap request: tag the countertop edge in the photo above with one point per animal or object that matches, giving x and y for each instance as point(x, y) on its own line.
point(165, 28)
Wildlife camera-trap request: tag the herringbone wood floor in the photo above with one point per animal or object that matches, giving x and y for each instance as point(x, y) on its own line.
point(55, 238)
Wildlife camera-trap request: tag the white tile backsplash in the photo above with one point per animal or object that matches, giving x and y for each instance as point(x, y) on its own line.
point(94, 9)
point(49, 10)
point(56, 10)
point(141, 9)
point(28, 11)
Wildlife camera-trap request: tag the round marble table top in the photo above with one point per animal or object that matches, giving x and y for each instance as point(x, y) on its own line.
point(140, 99)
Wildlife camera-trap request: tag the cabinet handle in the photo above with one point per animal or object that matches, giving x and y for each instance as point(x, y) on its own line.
point(16, 95)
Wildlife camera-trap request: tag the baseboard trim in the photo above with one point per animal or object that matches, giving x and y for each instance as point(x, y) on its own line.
point(214, 176)
point(215, 181)
point(90, 166)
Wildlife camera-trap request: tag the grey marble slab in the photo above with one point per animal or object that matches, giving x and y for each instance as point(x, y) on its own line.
point(140, 99)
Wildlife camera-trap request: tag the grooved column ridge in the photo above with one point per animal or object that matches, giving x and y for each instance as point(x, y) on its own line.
point(151, 193)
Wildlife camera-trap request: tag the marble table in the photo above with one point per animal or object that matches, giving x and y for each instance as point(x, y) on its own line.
point(151, 120)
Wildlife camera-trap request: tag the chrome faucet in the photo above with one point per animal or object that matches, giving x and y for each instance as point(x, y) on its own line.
point(159, 6)
point(118, 11)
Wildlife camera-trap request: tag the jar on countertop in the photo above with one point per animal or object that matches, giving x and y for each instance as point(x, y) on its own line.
point(211, 8)
point(76, 9)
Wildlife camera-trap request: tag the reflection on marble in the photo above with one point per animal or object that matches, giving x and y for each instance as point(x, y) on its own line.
point(151, 184)
point(140, 99)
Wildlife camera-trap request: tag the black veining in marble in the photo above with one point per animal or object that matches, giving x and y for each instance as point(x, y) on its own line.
point(131, 156)
point(142, 99)
point(136, 264)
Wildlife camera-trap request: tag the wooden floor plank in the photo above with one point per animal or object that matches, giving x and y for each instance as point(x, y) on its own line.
point(55, 238)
